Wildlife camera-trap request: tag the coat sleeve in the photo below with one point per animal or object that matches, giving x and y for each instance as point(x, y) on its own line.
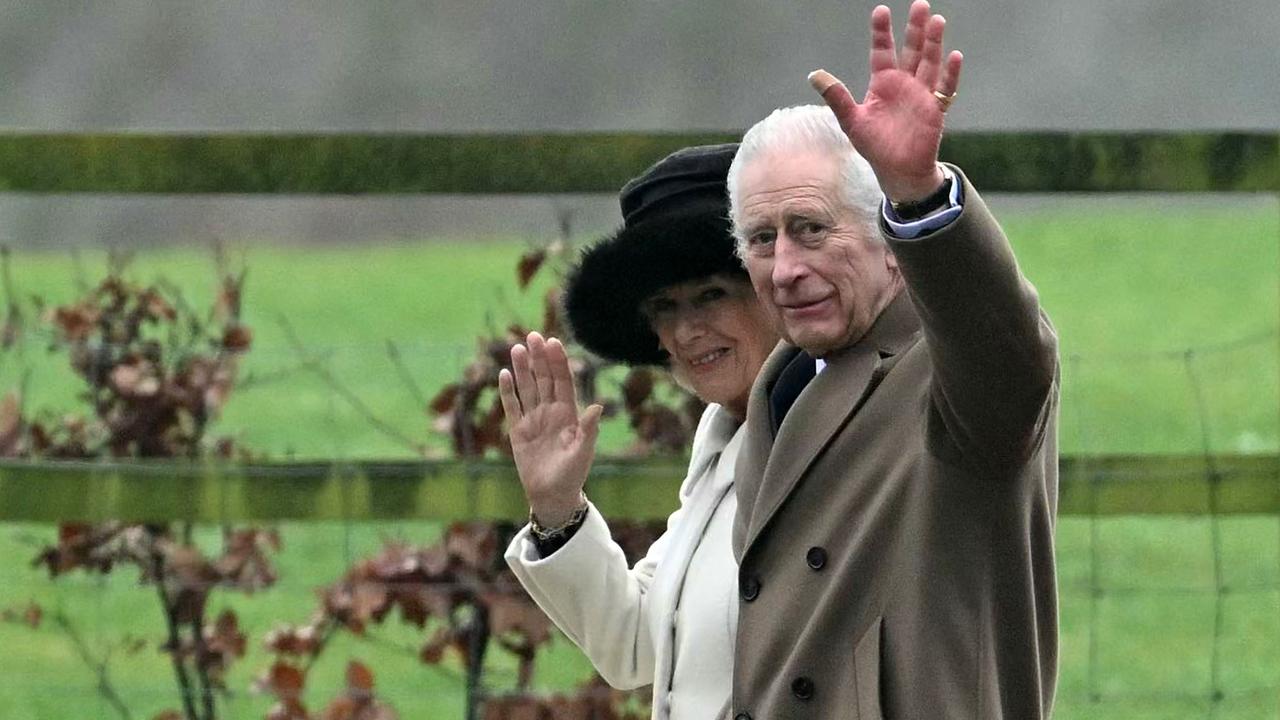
point(993, 350)
point(589, 592)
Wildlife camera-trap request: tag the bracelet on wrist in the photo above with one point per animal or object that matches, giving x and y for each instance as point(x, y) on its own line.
point(543, 532)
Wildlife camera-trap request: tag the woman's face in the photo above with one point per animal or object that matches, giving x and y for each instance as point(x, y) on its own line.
point(717, 335)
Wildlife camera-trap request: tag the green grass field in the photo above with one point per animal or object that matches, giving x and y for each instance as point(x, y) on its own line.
point(1132, 288)
point(1128, 291)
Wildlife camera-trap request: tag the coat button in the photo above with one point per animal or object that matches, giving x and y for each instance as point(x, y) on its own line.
point(802, 688)
point(750, 589)
point(816, 557)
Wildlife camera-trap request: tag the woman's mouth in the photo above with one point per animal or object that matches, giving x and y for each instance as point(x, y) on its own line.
point(705, 361)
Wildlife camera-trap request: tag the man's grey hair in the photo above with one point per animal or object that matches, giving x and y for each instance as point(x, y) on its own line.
point(806, 127)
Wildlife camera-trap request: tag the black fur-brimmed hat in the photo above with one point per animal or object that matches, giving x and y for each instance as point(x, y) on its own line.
point(675, 229)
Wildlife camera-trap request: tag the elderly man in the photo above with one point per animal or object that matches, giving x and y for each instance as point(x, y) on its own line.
point(898, 480)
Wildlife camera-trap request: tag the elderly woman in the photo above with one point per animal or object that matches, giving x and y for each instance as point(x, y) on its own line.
point(664, 290)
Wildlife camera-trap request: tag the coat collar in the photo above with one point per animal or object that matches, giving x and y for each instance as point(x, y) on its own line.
point(820, 411)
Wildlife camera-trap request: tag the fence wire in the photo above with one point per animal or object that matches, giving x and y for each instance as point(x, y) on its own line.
point(1162, 616)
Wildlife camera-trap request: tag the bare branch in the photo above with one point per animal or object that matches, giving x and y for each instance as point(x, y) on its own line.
point(345, 393)
point(252, 379)
point(201, 668)
point(393, 352)
point(175, 639)
point(100, 668)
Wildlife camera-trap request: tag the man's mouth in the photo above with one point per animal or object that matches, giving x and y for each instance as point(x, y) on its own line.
point(811, 307)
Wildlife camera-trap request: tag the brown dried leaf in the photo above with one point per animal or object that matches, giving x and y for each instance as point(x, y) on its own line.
point(10, 425)
point(369, 601)
point(227, 306)
point(444, 400)
point(660, 427)
point(237, 338)
point(497, 353)
point(528, 266)
point(434, 560)
point(283, 680)
point(76, 322)
point(489, 432)
point(473, 543)
point(288, 640)
point(359, 677)
point(511, 613)
point(636, 388)
point(156, 307)
point(225, 637)
point(189, 567)
point(551, 303)
point(244, 564)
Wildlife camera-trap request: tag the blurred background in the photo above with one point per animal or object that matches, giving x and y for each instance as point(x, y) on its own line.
point(364, 305)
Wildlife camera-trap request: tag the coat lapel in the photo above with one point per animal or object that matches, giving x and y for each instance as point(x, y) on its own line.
point(821, 410)
point(757, 442)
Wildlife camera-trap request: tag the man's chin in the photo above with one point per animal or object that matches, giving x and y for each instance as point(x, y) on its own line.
point(814, 341)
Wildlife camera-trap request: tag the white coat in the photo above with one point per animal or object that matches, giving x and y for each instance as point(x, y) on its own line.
point(659, 622)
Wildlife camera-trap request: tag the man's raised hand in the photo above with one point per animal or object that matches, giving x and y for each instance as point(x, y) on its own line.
point(898, 125)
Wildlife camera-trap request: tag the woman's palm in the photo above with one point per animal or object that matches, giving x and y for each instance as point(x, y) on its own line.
point(550, 447)
point(552, 443)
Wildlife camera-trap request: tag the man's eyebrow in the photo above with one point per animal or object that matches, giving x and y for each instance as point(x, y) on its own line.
point(805, 212)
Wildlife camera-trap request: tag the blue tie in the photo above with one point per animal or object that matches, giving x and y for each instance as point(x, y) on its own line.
point(790, 383)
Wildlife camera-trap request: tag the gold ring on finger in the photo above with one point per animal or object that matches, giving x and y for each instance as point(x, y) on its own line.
point(944, 100)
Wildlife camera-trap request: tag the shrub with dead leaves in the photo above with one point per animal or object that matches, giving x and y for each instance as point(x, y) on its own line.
point(461, 593)
point(156, 373)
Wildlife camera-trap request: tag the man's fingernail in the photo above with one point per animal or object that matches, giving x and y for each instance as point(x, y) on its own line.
point(821, 80)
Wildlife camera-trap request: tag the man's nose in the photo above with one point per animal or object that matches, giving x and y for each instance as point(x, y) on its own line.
point(788, 262)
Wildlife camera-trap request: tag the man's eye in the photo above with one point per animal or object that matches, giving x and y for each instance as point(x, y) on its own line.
point(811, 228)
point(760, 238)
point(711, 294)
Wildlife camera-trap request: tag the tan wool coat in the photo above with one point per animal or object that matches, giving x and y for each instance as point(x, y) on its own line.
point(895, 530)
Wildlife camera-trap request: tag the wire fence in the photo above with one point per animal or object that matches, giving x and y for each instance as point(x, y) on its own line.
point(1170, 598)
point(1168, 537)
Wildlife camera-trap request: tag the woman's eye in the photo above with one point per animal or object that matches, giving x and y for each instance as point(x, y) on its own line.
point(659, 308)
point(710, 294)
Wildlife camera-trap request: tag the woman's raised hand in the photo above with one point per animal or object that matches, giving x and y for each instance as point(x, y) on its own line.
point(552, 443)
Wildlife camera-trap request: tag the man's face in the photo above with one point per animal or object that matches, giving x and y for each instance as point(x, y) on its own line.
point(818, 267)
